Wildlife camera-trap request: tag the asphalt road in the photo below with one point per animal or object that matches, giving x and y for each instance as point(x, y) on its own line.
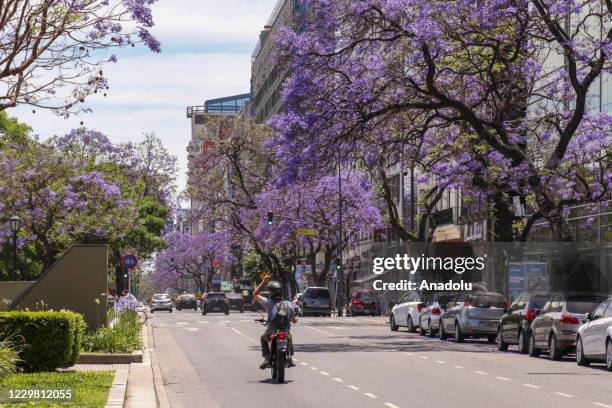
point(212, 361)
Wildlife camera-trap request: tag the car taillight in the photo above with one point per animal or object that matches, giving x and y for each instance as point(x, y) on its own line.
point(420, 308)
point(467, 303)
point(435, 311)
point(530, 315)
point(569, 319)
point(281, 335)
point(357, 301)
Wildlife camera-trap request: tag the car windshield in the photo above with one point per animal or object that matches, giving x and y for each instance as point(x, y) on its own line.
point(538, 302)
point(161, 297)
point(444, 299)
point(486, 300)
point(582, 305)
point(214, 296)
point(234, 296)
point(363, 295)
point(317, 293)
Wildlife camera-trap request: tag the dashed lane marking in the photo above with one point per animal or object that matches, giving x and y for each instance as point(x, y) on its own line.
point(531, 386)
point(237, 331)
point(369, 394)
point(313, 368)
point(303, 363)
point(192, 329)
point(459, 367)
point(440, 362)
point(599, 404)
point(338, 379)
point(407, 354)
point(390, 405)
point(480, 372)
point(352, 387)
point(424, 357)
point(564, 395)
point(324, 373)
point(503, 378)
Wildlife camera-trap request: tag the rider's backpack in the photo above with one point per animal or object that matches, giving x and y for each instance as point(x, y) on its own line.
point(280, 315)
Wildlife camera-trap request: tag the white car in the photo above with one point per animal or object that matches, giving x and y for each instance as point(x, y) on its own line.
point(594, 338)
point(407, 312)
point(430, 316)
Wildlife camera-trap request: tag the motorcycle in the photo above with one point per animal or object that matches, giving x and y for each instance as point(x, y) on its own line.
point(279, 353)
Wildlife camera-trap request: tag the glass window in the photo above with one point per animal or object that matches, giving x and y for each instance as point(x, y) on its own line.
point(599, 311)
point(582, 305)
point(487, 301)
point(517, 304)
point(609, 310)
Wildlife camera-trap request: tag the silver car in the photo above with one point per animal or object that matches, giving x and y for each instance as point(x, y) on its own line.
point(594, 338)
point(430, 316)
point(556, 327)
point(472, 315)
point(161, 301)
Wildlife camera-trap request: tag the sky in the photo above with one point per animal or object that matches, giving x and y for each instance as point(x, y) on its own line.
point(206, 50)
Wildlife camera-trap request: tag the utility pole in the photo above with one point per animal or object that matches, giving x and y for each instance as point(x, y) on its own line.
point(340, 271)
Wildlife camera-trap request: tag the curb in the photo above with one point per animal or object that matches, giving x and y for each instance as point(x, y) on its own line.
point(116, 396)
point(160, 391)
point(103, 358)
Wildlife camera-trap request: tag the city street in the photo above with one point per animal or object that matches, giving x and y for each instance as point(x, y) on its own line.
point(212, 361)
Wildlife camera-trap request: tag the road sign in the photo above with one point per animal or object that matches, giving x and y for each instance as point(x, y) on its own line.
point(129, 261)
point(307, 231)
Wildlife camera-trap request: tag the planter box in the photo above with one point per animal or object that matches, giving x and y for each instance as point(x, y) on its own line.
point(104, 358)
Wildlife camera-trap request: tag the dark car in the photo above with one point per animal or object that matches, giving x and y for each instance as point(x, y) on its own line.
point(236, 302)
point(215, 302)
point(515, 324)
point(555, 328)
point(363, 302)
point(186, 302)
point(316, 302)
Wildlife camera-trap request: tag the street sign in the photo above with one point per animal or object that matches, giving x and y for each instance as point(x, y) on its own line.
point(307, 231)
point(129, 261)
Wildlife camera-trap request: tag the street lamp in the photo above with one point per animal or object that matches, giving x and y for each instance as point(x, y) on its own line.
point(14, 225)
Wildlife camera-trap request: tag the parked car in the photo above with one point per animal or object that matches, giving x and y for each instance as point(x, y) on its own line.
point(316, 302)
point(429, 322)
point(407, 312)
point(160, 301)
point(515, 324)
point(236, 302)
point(594, 338)
point(363, 302)
point(186, 301)
point(473, 314)
point(215, 302)
point(556, 327)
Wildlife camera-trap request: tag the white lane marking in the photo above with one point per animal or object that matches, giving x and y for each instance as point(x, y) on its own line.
point(480, 372)
point(531, 386)
point(503, 378)
point(440, 362)
point(459, 367)
point(369, 394)
point(192, 329)
point(303, 363)
point(296, 359)
point(225, 321)
point(237, 331)
point(352, 387)
point(338, 379)
point(564, 395)
point(424, 357)
point(317, 330)
point(324, 373)
point(407, 354)
point(599, 404)
point(204, 321)
point(390, 405)
point(180, 323)
point(313, 368)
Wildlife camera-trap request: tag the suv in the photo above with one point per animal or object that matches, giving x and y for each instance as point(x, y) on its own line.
point(215, 302)
point(363, 302)
point(236, 302)
point(556, 326)
point(186, 302)
point(473, 314)
point(316, 302)
point(514, 325)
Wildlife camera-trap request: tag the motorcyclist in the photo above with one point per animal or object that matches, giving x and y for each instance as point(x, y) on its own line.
point(276, 295)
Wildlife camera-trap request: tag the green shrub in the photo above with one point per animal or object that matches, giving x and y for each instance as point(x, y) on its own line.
point(124, 337)
point(49, 339)
point(9, 358)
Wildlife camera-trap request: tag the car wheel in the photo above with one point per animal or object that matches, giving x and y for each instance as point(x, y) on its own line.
point(394, 326)
point(523, 343)
point(227, 312)
point(152, 311)
point(501, 344)
point(170, 310)
point(581, 360)
point(421, 329)
point(430, 331)
point(459, 337)
point(609, 355)
point(203, 312)
point(533, 351)
point(441, 333)
point(411, 326)
point(554, 351)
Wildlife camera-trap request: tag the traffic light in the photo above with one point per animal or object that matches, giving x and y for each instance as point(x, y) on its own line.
point(270, 217)
point(338, 263)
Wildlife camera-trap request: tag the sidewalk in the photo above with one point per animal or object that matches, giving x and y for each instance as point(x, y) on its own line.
point(141, 386)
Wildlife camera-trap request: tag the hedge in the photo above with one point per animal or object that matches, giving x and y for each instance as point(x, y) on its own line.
point(50, 339)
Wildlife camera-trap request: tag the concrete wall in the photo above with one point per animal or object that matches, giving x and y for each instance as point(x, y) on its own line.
point(9, 291)
point(72, 283)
